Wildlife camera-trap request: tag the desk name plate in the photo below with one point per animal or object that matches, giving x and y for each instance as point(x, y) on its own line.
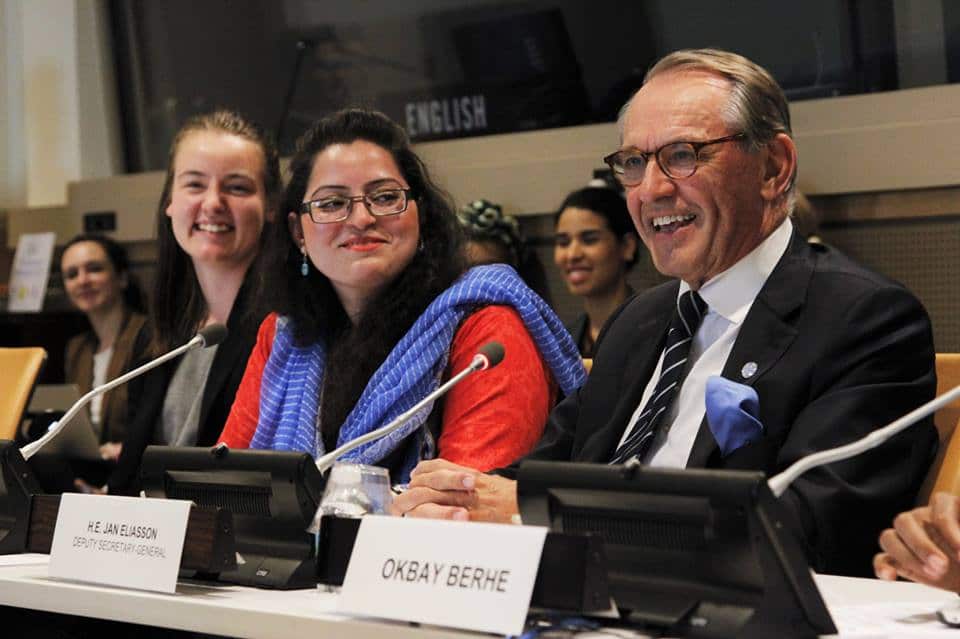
point(464, 575)
point(119, 541)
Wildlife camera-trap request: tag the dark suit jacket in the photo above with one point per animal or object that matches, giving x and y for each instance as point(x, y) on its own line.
point(840, 351)
point(148, 392)
point(578, 330)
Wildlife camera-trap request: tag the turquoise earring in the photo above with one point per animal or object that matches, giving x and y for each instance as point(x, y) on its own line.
point(304, 267)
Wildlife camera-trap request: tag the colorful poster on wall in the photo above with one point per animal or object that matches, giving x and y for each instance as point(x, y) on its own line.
point(30, 272)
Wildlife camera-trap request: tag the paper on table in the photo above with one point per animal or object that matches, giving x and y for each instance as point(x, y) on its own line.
point(894, 620)
point(25, 559)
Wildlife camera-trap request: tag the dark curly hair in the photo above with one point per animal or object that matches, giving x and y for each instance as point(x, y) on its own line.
point(178, 306)
point(483, 221)
point(484, 224)
point(355, 352)
point(609, 205)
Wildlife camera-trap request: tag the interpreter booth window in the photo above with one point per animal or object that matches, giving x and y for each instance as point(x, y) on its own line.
point(457, 68)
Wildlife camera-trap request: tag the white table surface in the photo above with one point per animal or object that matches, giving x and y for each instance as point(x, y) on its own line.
point(862, 608)
point(234, 611)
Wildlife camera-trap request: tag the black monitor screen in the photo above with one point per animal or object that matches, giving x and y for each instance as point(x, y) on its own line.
point(683, 547)
point(273, 497)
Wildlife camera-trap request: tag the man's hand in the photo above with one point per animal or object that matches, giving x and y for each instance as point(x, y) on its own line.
point(439, 489)
point(924, 545)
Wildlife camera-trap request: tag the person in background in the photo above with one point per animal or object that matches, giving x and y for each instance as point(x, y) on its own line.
point(221, 193)
point(495, 238)
point(375, 310)
point(595, 244)
point(491, 236)
point(96, 276)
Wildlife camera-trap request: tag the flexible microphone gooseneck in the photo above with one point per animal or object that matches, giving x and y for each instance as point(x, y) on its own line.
point(488, 356)
point(208, 336)
point(779, 483)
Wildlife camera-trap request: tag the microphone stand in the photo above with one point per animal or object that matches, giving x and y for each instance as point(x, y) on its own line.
point(17, 488)
point(779, 483)
point(302, 47)
point(325, 462)
point(57, 427)
point(17, 483)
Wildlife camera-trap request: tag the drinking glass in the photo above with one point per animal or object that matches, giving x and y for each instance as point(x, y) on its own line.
point(354, 490)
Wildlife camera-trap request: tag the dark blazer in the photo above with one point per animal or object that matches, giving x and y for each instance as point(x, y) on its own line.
point(579, 328)
point(840, 351)
point(78, 369)
point(148, 392)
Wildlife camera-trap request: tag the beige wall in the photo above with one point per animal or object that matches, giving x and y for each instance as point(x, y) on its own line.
point(60, 120)
point(903, 141)
point(882, 169)
point(60, 127)
point(879, 142)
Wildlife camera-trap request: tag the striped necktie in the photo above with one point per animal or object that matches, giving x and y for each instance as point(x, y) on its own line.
point(690, 311)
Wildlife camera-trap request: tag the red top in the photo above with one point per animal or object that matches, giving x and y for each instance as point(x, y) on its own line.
point(490, 419)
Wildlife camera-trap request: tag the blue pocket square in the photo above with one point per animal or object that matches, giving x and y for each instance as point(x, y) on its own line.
point(732, 410)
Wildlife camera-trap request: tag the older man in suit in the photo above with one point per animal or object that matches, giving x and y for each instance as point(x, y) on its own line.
point(832, 350)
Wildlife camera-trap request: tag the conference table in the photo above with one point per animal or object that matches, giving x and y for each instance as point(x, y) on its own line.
point(861, 608)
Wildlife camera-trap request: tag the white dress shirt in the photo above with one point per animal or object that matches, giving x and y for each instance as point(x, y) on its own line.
point(101, 362)
point(729, 297)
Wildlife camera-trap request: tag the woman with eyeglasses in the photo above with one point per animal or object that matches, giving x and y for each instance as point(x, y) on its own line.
point(595, 246)
point(376, 309)
point(220, 196)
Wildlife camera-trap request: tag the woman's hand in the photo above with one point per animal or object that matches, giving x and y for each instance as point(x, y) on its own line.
point(88, 489)
point(111, 451)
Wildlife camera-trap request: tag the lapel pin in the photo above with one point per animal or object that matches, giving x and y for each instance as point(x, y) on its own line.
point(748, 370)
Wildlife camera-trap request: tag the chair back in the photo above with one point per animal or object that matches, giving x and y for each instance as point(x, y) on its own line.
point(19, 368)
point(944, 473)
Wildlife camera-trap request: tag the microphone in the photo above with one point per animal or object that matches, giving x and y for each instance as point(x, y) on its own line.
point(212, 335)
point(207, 336)
point(488, 356)
point(779, 483)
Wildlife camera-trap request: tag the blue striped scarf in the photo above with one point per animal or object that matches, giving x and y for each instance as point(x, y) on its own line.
point(293, 376)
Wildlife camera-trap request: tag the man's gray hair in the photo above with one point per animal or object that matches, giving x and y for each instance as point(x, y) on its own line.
point(757, 105)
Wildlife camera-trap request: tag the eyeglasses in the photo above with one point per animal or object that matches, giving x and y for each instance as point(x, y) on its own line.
point(336, 208)
point(677, 160)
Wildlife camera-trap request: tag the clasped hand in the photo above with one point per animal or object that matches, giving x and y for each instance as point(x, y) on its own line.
point(439, 489)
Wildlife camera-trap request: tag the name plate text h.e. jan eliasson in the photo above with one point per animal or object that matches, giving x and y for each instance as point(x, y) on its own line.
point(119, 541)
point(460, 574)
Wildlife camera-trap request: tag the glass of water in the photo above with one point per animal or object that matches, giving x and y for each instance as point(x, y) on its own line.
point(354, 490)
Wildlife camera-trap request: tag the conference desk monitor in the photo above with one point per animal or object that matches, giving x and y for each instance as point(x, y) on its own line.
point(269, 497)
point(692, 553)
point(273, 497)
point(17, 488)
